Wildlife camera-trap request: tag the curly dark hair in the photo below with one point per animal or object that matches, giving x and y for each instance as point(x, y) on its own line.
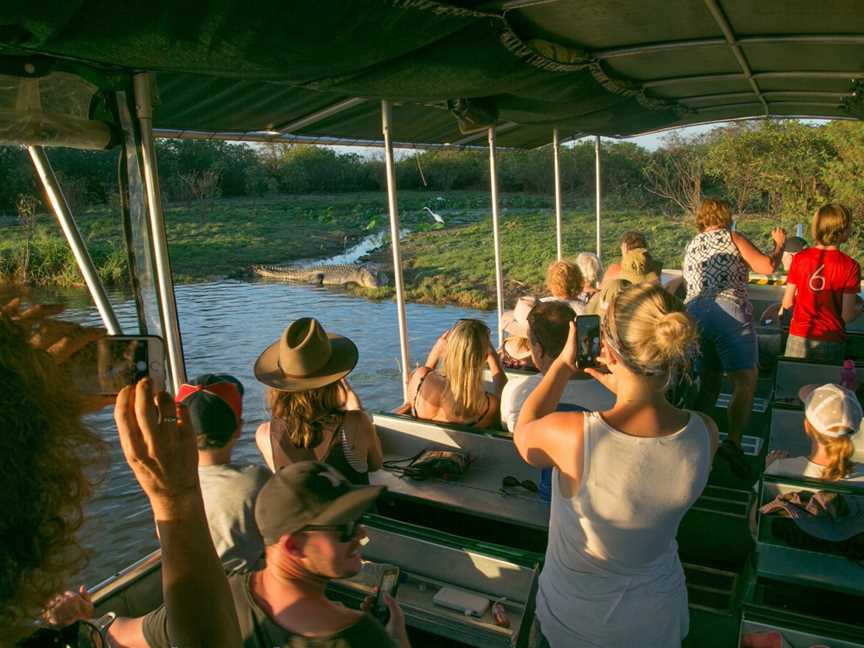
point(49, 460)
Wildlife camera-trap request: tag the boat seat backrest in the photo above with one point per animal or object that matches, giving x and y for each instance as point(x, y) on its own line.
point(406, 437)
point(793, 374)
point(787, 434)
point(458, 567)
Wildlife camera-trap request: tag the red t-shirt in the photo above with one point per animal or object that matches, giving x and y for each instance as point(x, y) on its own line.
point(822, 277)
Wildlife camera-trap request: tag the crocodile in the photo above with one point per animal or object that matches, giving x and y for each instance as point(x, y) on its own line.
point(362, 275)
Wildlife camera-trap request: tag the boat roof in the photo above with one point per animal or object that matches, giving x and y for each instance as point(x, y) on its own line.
point(314, 71)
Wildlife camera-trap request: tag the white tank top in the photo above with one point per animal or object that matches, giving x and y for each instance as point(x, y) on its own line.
point(612, 575)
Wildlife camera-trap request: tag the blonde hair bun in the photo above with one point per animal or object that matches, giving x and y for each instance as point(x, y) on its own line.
point(654, 331)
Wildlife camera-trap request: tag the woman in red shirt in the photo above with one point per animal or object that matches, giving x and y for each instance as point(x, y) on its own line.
point(823, 285)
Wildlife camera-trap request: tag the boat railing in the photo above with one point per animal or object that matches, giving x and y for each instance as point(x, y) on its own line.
point(126, 592)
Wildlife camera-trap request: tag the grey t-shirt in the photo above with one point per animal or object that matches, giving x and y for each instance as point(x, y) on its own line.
point(229, 501)
point(259, 631)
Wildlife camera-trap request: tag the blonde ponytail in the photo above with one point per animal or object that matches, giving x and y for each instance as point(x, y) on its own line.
point(839, 450)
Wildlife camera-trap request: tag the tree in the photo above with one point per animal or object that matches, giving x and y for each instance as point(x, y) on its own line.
point(676, 170)
point(844, 172)
point(734, 157)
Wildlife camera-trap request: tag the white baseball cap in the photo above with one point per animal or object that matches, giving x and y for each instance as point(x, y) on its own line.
point(831, 409)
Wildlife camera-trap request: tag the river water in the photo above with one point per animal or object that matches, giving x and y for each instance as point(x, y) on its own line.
point(225, 325)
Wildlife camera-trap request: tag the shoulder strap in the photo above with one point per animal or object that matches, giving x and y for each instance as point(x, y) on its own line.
point(417, 392)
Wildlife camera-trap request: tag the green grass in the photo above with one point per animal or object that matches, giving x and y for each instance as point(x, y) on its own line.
point(456, 265)
point(449, 264)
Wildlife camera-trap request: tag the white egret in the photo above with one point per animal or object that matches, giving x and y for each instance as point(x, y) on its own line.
point(436, 217)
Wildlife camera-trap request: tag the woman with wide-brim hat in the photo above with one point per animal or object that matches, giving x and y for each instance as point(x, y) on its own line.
point(315, 413)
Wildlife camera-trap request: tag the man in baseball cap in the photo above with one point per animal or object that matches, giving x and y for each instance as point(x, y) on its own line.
point(309, 517)
point(213, 407)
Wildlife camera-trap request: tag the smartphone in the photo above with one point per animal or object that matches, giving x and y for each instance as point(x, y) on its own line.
point(109, 364)
point(587, 340)
point(389, 583)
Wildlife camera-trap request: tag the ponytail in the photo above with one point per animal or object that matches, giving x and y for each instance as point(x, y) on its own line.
point(839, 451)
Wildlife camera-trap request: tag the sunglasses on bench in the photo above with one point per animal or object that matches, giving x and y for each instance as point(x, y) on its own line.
point(512, 482)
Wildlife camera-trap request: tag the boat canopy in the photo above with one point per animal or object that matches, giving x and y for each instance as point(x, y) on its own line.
point(264, 70)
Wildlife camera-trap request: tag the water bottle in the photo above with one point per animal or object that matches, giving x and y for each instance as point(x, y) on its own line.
point(848, 375)
point(545, 488)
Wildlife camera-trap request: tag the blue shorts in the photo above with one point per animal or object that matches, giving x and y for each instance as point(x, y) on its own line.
point(726, 335)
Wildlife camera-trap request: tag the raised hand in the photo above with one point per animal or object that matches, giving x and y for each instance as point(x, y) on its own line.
point(162, 453)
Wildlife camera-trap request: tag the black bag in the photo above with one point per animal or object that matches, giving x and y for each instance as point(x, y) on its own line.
point(444, 464)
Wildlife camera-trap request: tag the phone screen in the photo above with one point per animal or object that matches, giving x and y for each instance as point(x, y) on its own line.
point(110, 363)
point(588, 340)
point(389, 583)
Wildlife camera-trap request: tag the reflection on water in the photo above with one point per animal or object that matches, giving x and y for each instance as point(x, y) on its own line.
point(225, 326)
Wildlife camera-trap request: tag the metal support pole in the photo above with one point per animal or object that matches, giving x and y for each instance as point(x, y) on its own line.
point(556, 146)
point(73, 237)
point(395, 245)
point(164, 280)
point(496, 236)
point(597, 188)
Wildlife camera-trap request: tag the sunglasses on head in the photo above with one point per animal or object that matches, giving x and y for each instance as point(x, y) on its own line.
point(512, 482)
point(346, 531)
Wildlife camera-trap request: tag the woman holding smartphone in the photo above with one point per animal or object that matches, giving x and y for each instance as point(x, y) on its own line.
point(612, 576)
point(457, 395)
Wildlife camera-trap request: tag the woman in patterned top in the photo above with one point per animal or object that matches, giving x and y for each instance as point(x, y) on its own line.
point(716, 267)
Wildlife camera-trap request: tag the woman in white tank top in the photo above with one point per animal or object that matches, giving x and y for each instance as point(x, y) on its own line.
point(622, 480)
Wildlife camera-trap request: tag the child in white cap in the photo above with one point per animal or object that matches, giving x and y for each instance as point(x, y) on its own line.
point(832, 416)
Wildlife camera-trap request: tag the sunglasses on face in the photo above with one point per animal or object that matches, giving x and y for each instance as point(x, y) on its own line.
point(347, 532)
point(512, 482)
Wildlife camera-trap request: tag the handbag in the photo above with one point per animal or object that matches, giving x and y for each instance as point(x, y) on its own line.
point(431, 463)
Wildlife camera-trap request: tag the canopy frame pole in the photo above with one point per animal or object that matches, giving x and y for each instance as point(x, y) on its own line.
point(496, 235)
point(395, 245)
point(598, 194)
point(73, 237)
point(164, 279)
point(556, 152)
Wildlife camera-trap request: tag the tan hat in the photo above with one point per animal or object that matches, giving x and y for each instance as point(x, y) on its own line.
point(517, 347)
point(831, 409)
point(515, 322)
point(638, 266)
point(305, 357)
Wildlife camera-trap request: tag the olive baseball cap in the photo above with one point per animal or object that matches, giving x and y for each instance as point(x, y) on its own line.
point(309, 493)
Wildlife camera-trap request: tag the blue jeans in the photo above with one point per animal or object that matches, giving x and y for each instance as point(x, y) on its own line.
point(727, 338)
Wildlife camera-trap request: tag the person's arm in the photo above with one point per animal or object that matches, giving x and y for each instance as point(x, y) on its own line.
point(164, 458)
point(543, 437)
point(374, 453)
point(499, 378)
point(127, 633)
point(851, 307)
point(759, 262)
point(262, 440)
point(439, 349)
point(788, 298)
point(350, 399)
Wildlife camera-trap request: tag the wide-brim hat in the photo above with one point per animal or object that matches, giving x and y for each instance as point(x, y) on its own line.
point(515, 322)
point(517, 347)
point(305, 357)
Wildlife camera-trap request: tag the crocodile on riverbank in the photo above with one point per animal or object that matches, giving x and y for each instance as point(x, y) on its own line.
point(366, 276)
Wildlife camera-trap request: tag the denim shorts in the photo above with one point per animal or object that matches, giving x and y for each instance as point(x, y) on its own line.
point(815, 350)
point(727, 338)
